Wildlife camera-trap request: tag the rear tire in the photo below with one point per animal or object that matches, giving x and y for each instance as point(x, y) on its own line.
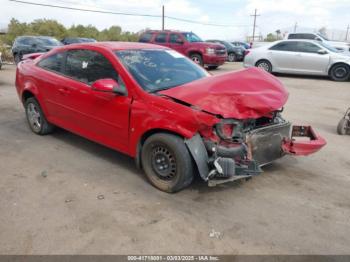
point(342, 127)
point(197, 58)
point(264, 65)
point(340, 72)
point(36, 118)
point(232, 57)
point(167, 162)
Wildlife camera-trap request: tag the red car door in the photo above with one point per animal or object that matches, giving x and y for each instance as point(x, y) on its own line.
point(177, 42)
point(102, 117)
point(161, 39)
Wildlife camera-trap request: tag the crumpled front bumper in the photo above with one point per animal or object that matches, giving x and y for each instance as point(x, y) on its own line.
point(303, 141)
point(263, 145)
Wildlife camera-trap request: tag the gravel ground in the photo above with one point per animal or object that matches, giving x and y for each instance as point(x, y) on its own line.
point(62, 194)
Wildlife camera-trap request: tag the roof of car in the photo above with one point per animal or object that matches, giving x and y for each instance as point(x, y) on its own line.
point(34, 36)
point(116, 45)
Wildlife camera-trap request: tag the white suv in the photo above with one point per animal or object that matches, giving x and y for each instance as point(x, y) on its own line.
point(318, 37)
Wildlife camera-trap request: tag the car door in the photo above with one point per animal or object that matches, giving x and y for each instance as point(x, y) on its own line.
point(311, 60)
point(283, 56)
point(161, 39)
point(177, 42)
point(99, 116)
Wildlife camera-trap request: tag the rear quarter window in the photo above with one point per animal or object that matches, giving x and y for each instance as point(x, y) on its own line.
point(52, 63)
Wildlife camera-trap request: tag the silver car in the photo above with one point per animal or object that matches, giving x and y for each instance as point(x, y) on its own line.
point(304, 57)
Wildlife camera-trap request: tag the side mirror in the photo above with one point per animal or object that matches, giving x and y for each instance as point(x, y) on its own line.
point(322, 52)
point(318, 39)
point(108, 85)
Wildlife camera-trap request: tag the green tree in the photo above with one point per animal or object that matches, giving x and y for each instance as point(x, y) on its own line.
point(48, 27)
point(270, 37)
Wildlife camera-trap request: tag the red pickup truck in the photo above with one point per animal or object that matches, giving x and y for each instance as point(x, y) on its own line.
point(211, 55)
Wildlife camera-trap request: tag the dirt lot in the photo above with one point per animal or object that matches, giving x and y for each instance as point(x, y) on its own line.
point(49, 187)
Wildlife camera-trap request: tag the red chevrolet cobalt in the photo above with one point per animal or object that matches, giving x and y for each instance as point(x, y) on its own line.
point(159, 107)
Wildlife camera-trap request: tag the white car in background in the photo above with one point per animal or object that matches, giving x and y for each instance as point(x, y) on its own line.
point(344, 46)
point(303, 57)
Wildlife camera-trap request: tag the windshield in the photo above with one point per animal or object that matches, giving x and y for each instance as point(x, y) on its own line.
point(328, 47)
point(156, 70)
point(191, 37)
point(48, 41)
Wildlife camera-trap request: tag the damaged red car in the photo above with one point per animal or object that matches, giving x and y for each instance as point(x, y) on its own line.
point(159, 107)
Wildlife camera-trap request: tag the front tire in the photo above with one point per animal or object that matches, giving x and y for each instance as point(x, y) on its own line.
point(264, 65)
point(197, 58)
point(340, 72)
point(36, 118)
point(167, 162)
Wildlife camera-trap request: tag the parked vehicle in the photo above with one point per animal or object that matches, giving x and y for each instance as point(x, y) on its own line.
point(344, 46)
point(189, 44)
point(0, 60)
point(343, 127)
point(234, 53)
point(243, 44)
point(156, 105)
point(76, 40)
point(304, 57)
point(32, 44)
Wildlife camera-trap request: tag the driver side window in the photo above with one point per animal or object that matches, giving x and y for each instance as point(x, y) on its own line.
point(89, 66)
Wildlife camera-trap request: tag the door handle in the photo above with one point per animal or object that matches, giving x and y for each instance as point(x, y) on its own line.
point(63, 91)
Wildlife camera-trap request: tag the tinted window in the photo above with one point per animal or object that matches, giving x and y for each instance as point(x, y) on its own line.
point(145, 38)
point(285, 46)
point(161, 38)
point(306, 47)
point(52, 63)
point(156, 70)
point(175, 38)
point(25, 41)
point(88, 66)
point(302, 36)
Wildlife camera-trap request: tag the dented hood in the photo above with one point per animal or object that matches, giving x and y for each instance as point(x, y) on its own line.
point(249, 93)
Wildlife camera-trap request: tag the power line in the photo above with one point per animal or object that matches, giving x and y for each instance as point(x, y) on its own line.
point(125, 14)
point(85, 10)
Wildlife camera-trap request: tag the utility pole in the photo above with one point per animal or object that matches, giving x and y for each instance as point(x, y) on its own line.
point(255, 15)
point(295, 27)
point(163, 17)
point(347, 32)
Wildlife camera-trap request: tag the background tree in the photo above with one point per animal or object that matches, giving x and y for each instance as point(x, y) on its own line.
point(270, 37)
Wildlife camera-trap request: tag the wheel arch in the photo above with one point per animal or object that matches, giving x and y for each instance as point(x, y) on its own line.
point(262, 59)
point(335, 64)
point(146, 135)
point(193, 52)
point(27, 94)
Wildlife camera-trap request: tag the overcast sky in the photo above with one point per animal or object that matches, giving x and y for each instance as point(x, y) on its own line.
point(274, 15)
